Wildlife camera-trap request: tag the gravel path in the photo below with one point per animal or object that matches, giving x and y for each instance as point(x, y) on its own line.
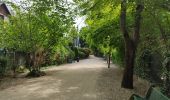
point(89, 79)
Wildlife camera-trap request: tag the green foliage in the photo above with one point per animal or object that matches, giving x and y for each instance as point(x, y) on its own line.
point(102, 20)
point(82, 55)
point(118, 57)
point(71, 54)
point(143, 64)
point(75, 49)
point(102, 30)
point(40, 24)
point(154, 43)
point(166, 75)
point(84, 52)
point(49, 24)
point(59, 54)
point(36, 24)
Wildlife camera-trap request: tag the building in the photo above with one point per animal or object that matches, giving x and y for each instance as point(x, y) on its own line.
point(4, 11)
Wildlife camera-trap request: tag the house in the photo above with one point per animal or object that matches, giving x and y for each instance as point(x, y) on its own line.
point(4, 11)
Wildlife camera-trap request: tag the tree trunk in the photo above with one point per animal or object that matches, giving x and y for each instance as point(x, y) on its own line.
point(109, 57)
point(130, 43)
point(127, 81)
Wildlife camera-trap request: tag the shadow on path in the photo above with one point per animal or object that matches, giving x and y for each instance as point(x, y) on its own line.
point(90, 79)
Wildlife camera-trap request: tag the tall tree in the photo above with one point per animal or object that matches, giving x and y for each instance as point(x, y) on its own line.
point(131, 42)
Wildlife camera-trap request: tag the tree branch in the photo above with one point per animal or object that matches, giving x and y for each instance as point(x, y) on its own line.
point(136, 35)
point(123, 21)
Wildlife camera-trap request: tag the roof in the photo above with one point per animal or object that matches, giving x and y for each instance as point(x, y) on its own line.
point(5, 7)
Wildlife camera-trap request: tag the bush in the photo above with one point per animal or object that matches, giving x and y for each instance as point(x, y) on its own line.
point(3, 65)
point(60, 59)
point(149, 65)
point(59, 54)
point(87, 51)
point(84, 52)
point(62, 54)
point(82, 55)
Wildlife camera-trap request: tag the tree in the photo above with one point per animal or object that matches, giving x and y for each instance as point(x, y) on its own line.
point(131, 43)
point(151, 20)
point(103, 23)
point(102, 19)
point(37, 28)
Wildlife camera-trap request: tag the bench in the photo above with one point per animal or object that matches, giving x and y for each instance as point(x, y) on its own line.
point(152, 94)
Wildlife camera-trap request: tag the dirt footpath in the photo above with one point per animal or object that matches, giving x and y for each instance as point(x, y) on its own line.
point(89, 79)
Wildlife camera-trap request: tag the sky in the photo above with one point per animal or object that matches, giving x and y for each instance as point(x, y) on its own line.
point(79, 21)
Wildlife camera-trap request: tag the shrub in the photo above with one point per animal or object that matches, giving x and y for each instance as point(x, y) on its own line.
point(86, 52)
point(61, 58)
point(82, 55)
point(63, 54)
point(149, 65)
point(59, 54)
